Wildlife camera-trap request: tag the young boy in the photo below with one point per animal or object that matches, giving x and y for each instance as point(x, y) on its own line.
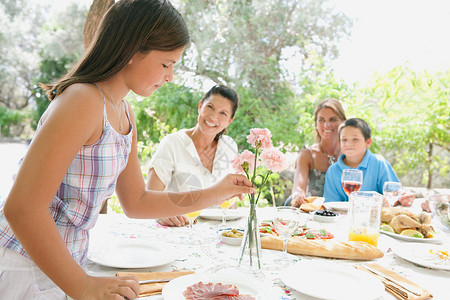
point(355, 139)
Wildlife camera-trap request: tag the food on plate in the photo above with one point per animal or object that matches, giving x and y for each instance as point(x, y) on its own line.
point(412, 233)
point(202, 291)
point(303, 231)
point(233, 233)
point(401, 219)
point(313, 234)
point(267, 228)
point(386, 227)
point(388, 213)
point(312, 203)
point(440, 255)
point(324, 248)
point(325, 213)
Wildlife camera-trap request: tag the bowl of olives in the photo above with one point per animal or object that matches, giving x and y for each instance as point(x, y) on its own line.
point(324, 215)
point(231, 236)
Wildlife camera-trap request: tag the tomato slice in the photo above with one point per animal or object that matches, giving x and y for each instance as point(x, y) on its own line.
point(324, 235)
point(268, 229)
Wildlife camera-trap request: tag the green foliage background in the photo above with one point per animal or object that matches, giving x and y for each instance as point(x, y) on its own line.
point(238, 44)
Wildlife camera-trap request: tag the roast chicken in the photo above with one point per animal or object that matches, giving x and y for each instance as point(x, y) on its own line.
point(400, 218)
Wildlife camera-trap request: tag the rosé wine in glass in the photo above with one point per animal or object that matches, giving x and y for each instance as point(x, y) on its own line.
point(351, 180)
point(350, 186)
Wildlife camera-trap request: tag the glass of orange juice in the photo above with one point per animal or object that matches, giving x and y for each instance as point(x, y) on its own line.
point(191, 218)
point(224, 206)
point(365, 216)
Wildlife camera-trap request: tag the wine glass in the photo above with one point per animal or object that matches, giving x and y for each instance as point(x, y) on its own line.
point(391, 191)
point(191, 218)
point(351, 180)
point(224, 206)
point(286, 221)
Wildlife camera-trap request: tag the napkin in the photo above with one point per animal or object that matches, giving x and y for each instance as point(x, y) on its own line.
point(402, 294)
point(312, 203)
point(153, 288)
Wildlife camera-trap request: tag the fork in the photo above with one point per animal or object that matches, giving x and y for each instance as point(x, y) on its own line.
point(398, 293)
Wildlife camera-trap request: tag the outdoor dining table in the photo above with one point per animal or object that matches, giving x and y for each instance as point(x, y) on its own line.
point(212, 255)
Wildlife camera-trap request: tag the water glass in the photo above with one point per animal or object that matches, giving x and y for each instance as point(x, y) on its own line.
point(365, 217)
point(286, 221)
point(391, 191)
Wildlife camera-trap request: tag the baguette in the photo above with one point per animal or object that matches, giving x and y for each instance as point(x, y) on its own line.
point(324, 248)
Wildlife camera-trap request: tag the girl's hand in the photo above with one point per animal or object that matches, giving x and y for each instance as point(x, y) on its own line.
point(233, 185)
point(121, 287)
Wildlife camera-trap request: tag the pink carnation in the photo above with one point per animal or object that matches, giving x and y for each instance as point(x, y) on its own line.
point(260, 137)
point(244, 161)
point(274, 160)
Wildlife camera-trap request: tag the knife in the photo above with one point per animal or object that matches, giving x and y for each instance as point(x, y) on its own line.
point(404, 285)
point(154, 281)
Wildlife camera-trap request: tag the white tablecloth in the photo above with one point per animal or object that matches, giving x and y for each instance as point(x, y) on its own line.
point(213, 256)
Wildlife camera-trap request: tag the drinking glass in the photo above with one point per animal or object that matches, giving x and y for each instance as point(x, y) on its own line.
point(365, 216)
point(351, 180)
point(286, 220)
point(224, 206)
point(191, 239)
point(392, 190)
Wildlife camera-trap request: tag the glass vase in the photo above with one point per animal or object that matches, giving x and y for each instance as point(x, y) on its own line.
point(250, 258)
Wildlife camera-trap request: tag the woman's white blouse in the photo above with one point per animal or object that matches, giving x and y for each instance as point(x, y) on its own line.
point(178, 165)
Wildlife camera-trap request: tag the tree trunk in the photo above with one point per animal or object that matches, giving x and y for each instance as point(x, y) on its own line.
point(430, 169)
point(96, 13)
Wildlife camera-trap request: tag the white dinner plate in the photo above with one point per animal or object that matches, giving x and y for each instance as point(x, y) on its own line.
point(337, 205)
point(327, 280)
point(247, 285)
point(432, 240)
point(216, 214)
point(423, 254)
point(132, 254)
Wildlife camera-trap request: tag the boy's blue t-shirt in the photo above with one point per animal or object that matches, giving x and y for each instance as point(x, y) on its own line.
point(376, 171)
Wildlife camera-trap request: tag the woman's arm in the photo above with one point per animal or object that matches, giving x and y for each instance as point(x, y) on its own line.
point(303, 166)
point(155, 184)
point(72, 120)
point(153, 181)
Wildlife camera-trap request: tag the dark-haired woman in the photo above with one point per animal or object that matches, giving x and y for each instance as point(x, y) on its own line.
point(85, 147)
point(195, 158)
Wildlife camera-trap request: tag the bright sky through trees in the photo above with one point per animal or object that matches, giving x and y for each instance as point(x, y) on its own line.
point(385, 34)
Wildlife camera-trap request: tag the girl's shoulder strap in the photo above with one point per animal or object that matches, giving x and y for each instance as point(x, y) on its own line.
point(104, 100)
point(125, 103)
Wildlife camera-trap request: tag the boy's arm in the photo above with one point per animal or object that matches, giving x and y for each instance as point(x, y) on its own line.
point(385, 173)
point(331, 190)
